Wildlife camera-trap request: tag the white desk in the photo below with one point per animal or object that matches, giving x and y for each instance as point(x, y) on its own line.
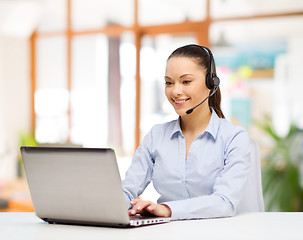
point(267, 226)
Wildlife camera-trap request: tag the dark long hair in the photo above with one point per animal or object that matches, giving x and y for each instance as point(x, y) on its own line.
point(202, 57)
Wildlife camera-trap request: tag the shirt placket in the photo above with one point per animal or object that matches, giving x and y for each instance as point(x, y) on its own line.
point(182, 166)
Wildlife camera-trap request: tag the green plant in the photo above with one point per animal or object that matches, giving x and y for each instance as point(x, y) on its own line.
point(25, 139)
point(281, 177)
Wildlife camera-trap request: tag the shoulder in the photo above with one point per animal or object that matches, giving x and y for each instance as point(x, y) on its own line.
point(226, 127)
point(164, 127)
point(233, 133)
point(161, 132)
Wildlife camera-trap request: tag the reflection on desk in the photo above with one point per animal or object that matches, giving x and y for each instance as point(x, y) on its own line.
point(244, 226)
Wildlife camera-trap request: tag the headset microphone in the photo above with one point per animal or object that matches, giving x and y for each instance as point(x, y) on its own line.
point(211, 80)
point(189, 111)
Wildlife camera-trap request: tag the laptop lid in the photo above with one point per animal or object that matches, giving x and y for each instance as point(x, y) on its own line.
point(78, 186)
point(75, 185)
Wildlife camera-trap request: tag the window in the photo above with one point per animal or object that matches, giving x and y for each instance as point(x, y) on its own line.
point(51, 95)
point(94, 89)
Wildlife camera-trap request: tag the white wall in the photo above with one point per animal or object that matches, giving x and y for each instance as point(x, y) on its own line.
point(18, 20)
point(295, 75)
point(15, 106)
point(2, 136)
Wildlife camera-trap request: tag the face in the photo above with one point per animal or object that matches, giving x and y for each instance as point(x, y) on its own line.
point(184, 84)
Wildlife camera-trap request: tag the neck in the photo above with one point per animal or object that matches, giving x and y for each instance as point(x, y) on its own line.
point(197, 121)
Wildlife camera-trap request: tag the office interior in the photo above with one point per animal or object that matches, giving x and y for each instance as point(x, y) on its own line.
point(91, 74)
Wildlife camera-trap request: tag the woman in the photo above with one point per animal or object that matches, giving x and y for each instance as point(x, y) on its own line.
point(199, 163)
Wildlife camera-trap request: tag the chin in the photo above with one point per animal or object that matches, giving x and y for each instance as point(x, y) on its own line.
point(181, 112)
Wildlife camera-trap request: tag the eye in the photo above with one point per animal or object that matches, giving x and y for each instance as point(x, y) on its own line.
point(186, 81)
point(167, 83)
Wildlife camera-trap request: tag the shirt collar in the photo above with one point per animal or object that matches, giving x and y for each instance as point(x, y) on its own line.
point(176, 128)
point(213, 125)
point(212, 128)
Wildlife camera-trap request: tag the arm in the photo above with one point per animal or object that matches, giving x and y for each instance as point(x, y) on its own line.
point(139, 174)
point(228, 186)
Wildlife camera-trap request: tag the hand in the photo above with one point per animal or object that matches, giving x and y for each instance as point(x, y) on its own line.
point(147, 207)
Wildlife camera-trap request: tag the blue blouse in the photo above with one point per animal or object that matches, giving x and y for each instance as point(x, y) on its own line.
point(207, 184)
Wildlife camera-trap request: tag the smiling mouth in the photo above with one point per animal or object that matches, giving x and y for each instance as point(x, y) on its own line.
point(180, 102)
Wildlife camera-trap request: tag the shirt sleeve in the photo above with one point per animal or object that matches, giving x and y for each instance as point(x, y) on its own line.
point(139, 174)
point(228, 187)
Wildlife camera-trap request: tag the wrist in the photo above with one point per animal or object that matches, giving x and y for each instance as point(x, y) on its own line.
point(167, 210)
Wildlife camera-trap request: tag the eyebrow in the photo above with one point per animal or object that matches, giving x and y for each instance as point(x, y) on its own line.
point(184, 75)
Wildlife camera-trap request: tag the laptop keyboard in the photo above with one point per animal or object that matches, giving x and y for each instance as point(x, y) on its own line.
point(139, 217)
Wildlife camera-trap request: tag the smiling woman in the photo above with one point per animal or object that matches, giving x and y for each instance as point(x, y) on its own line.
point(199, 163)
point(201, 79)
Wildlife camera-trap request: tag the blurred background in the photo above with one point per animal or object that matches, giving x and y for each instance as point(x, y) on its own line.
point(90, 73)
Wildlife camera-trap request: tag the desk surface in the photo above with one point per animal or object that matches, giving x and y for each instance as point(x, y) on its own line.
point(246, 226)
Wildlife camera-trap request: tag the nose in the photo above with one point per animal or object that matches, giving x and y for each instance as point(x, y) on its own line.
point(177, 91)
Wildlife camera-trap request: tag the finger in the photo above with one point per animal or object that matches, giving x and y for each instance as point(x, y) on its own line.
point(147, 208)
point(135, 210)
point(134, 201)
point(131, 212)
point(139, 207)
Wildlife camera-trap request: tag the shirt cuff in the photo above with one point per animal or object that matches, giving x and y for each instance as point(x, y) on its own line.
point(127, 200)
point(177, 212)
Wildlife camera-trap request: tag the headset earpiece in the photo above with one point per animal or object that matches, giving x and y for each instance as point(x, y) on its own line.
point(213, 82)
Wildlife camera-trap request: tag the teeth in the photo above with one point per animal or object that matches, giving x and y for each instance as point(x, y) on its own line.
point(180, 101)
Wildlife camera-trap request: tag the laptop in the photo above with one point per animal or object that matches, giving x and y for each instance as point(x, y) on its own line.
point(78, 186)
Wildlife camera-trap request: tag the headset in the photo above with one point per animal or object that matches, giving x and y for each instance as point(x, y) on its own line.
point(211, 80)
